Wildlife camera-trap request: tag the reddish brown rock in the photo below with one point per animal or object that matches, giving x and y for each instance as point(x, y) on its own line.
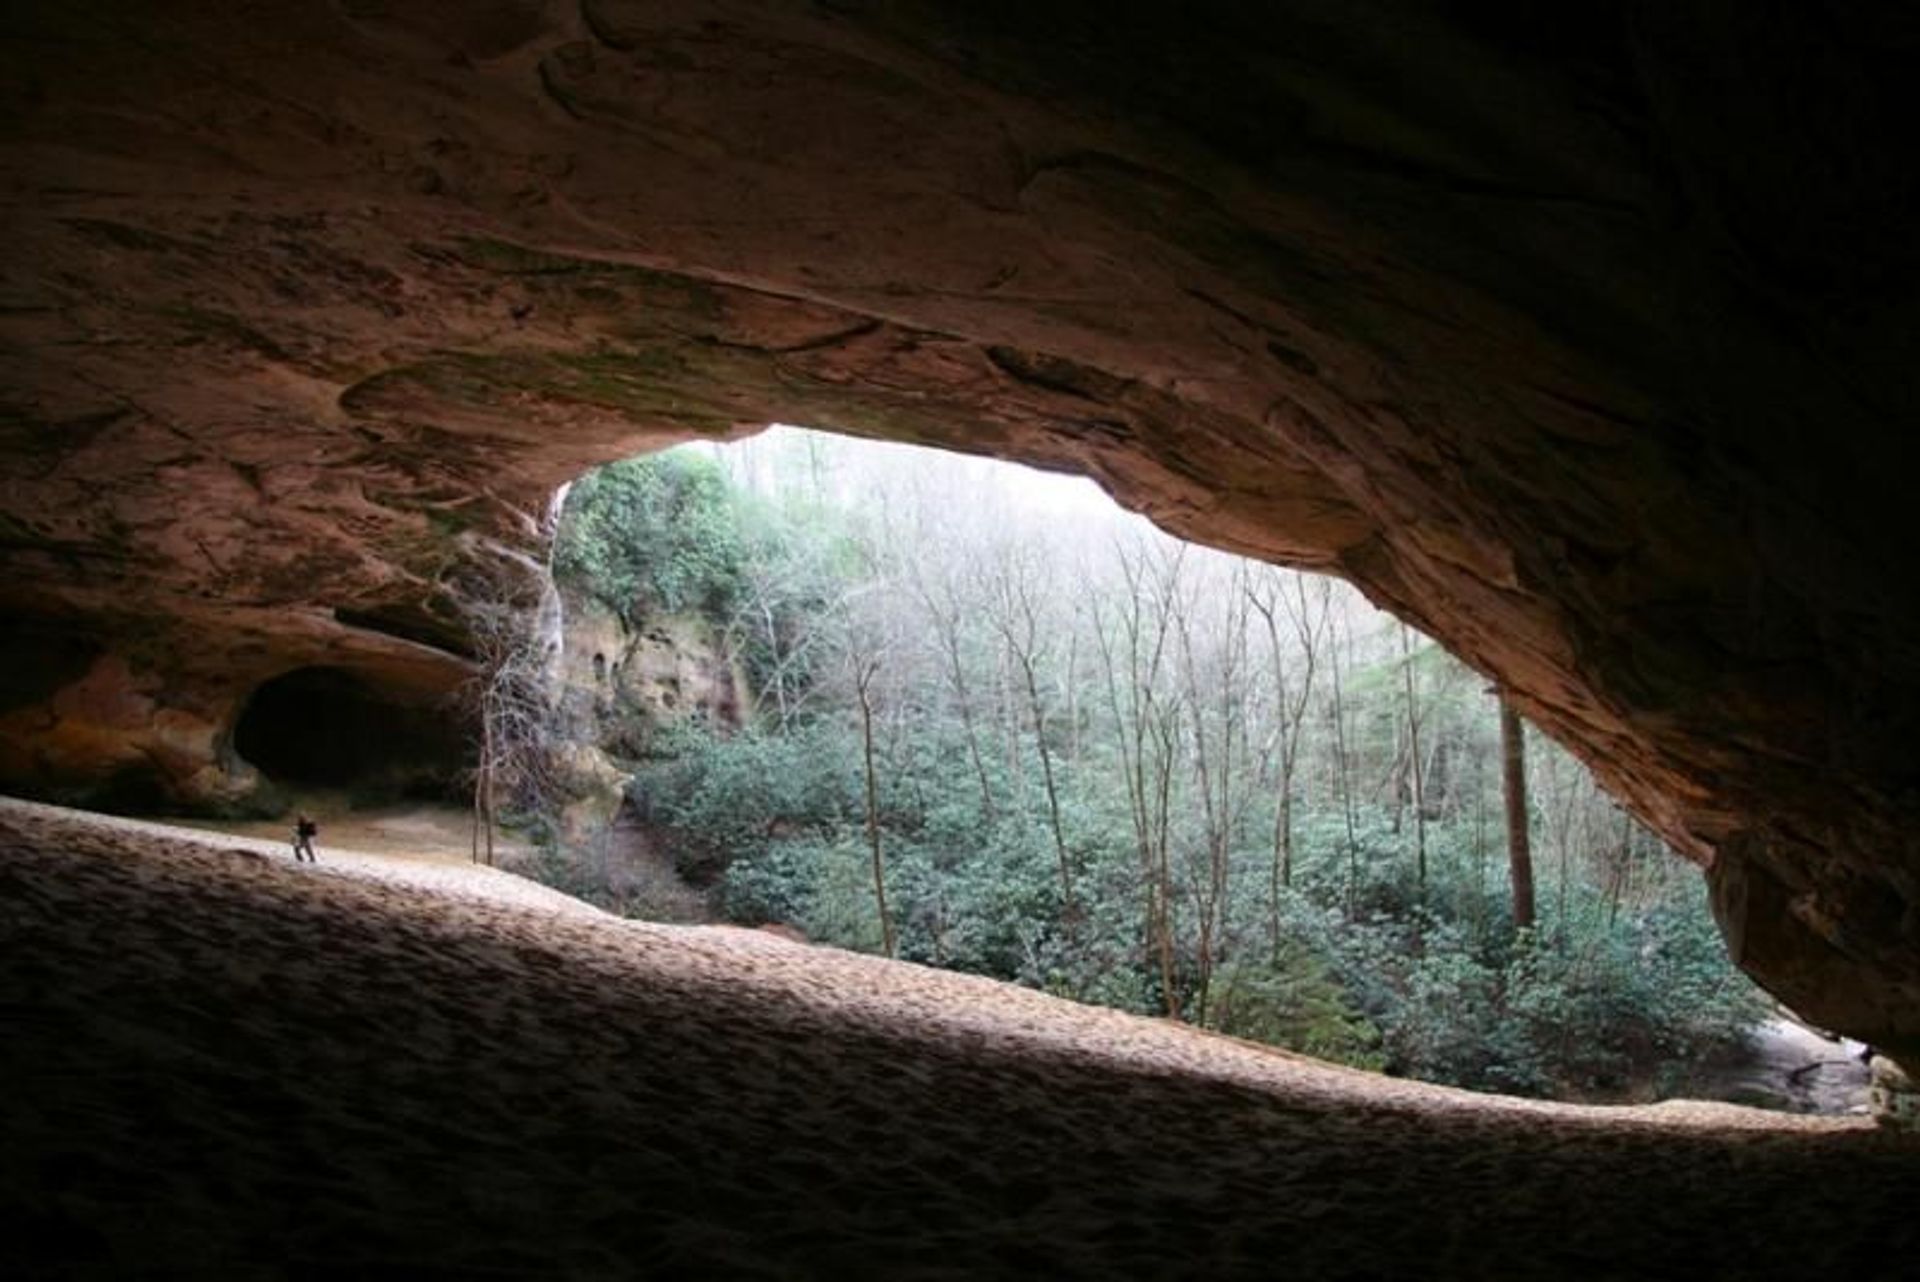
point(1584, 343)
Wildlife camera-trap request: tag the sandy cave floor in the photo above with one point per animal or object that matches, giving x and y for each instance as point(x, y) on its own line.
point(416, 831)
point(218, 1064)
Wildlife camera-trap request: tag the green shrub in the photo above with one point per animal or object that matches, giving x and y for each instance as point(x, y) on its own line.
point(725, 799)
point(654, 533)
point(1293, 1002)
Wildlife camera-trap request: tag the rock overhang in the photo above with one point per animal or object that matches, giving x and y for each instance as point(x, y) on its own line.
point(1581, 343)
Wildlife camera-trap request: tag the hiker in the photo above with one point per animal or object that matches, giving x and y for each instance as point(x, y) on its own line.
point(304, 831)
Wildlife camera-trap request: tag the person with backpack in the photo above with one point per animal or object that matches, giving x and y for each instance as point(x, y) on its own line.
point(304, 831)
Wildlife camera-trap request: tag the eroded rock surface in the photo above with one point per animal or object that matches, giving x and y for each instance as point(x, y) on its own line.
point(617, 687)
point(223, 1065)
point(1584, 342)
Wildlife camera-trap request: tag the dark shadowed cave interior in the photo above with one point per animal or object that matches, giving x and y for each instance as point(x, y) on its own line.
point(327, 727)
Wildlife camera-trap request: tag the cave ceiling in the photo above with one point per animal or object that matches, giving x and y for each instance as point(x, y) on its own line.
point(1585, 341)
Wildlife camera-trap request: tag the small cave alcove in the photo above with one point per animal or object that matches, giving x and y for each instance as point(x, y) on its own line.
point(335, 728)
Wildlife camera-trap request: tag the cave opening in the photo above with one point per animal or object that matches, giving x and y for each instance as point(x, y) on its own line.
point(336, 728)
point(981, 718)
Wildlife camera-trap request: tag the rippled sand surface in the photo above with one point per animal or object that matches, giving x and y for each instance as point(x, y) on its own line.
point(220, 1064)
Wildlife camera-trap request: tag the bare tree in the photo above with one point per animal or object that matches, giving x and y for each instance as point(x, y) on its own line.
point(1215, 717)
point(868, 620)
point(511, 697)
point(511, 611)
point(1413, 756)
point(778, 607)
point(1342, 765)
point(940, 599)
point(1133, 657)
point(1018, 586)
point(1513, 757)
point(866, 667)
point(1290, 708)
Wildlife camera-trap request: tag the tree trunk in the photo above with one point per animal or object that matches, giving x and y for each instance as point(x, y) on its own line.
point(1069, 909)
point(1072, 691)
point(1341, 778)
point(1163, 866)
point(1010, 725)
point(773, 648)
point(1280, 869)
point(1413, 743)
point(873, 810)
point(1513, 754)
point(946, 620)
point(483, 784)
point(1291, 712)
point(979, 765)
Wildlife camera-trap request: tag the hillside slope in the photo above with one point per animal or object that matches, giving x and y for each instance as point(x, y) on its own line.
point(225, 1065)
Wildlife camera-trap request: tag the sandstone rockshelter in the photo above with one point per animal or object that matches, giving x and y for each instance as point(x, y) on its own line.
point(1585, 341)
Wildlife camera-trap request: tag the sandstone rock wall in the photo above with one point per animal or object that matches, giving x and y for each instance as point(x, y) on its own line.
point(620, 688)
point(1582, 340)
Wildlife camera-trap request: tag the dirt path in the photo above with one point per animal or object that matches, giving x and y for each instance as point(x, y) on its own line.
point(410, 846)
point(415, 830)
point(224, 1065)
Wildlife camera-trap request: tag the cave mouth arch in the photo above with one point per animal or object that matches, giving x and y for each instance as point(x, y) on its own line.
point(327, 727)
point(1446, 328)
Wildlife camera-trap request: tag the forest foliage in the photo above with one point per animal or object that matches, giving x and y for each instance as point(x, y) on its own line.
point(1063, 749)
